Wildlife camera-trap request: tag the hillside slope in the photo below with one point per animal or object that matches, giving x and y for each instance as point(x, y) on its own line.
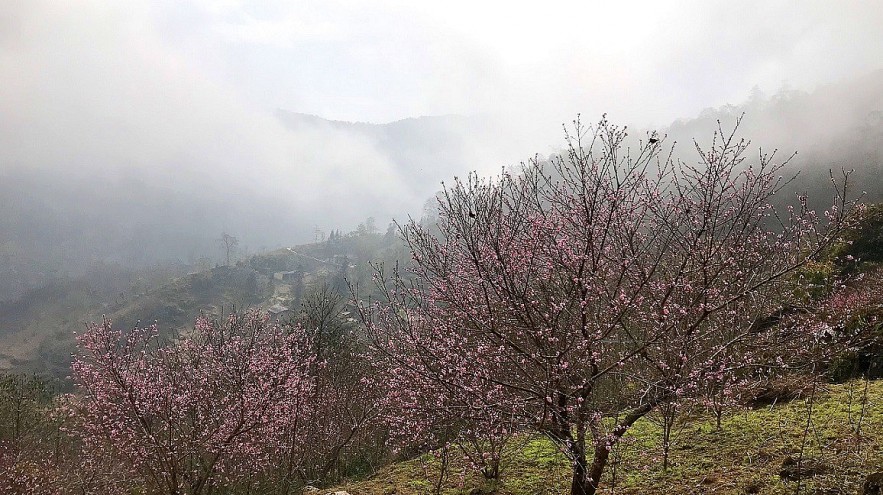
point(37, 330)
point(840, 431)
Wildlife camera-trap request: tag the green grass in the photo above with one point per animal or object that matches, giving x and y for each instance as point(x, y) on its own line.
point(744, 456)
point(37, 335)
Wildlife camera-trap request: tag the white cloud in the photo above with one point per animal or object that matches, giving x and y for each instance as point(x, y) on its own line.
point(187, 89)
point(89, 88)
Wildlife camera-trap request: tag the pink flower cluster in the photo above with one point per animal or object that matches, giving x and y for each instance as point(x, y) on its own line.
point(198, 411)
point(586, 291)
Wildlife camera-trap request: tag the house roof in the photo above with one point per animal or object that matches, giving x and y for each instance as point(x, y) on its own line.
point(276, 309)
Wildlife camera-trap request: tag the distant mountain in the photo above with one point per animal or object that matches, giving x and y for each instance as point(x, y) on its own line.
point(54, 227)
point(811, 122)
point(58, 221)
point(76, 246)
point(838, 126)
point(37, 329)
point(425, 150)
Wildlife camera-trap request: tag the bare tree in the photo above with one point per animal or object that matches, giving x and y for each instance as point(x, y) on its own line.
point(230, 242)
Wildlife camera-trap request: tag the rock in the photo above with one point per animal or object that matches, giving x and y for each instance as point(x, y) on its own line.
point(752, 487)
point(873, 484)
point(310, 489)
point(808, 468)
point(778, 391)
point(339, 492)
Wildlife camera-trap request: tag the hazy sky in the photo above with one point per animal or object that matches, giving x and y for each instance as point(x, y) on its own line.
point(183, 90)
point(385, 60)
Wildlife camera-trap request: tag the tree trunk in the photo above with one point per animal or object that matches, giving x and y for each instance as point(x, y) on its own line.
point(586, 481)
point(593, 480)
point(579, 485)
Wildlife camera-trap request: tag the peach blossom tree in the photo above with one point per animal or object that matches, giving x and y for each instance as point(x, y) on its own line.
point(585, 291)
point(191, 415)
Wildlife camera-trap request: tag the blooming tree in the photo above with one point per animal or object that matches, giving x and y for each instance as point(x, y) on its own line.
point(846, 325)
point(340, 426)
point(193, 414)
point(582, 293)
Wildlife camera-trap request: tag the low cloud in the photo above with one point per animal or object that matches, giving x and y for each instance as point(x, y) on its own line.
point(174, 103)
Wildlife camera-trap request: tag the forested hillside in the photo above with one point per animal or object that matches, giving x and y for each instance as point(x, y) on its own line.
point(37, 331)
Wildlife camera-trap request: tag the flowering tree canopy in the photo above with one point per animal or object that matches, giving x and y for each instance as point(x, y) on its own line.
point(199, 412)
point(583, 292)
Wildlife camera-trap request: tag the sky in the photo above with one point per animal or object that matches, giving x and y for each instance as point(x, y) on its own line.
point(387, 60)
point(183, 91)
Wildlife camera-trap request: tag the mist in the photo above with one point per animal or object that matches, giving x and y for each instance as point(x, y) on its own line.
point(114, 148)
point(94, 95)
point(136, 132)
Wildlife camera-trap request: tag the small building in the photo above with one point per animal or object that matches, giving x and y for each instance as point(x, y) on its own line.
point(278, 311)
point(287, 276)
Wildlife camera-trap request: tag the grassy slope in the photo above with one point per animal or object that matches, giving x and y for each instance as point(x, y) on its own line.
point(745, 456)
point(37, 331)
point(38, 335)
point(57, 309)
